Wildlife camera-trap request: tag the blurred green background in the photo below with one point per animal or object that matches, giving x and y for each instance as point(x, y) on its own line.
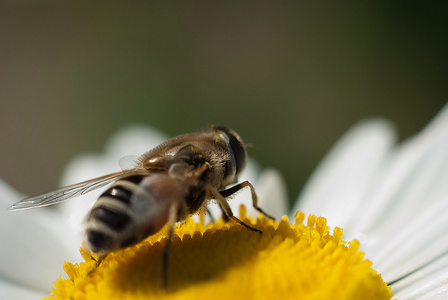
point(290, 77)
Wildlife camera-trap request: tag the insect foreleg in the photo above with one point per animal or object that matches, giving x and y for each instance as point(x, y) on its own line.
point(236, 188)
point(226, 208)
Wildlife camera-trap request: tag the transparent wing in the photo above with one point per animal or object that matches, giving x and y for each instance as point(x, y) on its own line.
point(66, 192)
point(129, 162)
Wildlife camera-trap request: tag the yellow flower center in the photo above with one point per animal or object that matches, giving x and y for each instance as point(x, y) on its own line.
point(228, 261)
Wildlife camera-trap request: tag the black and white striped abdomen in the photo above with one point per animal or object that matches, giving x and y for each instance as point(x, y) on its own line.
point(110, 223)
point(131, 209)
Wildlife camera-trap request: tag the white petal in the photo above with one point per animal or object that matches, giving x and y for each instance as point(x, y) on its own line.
point(33, 244)
point(401, 220)
point(134, 140)
point(14, 292)
point(131, 140)
point(251, 172)
point(341, 181)
point(437, 294)
point(433, 286)
point(424, 282)
point(88, 166)
point(400, 205)
point(414, 245)
point(414, 178)
point(272, 193)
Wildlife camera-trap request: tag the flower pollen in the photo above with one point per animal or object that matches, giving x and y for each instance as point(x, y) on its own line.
point(223, 260)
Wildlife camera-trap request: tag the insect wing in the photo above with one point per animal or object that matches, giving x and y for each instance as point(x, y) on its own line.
point(129, 162)
point(66, 192)
point(154, 195)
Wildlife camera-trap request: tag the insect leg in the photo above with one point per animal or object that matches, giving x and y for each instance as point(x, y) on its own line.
point(225, 217)
point(236, 188)
point(210, 215)
point(172, 219)
point(97, 264)
point(226, 208)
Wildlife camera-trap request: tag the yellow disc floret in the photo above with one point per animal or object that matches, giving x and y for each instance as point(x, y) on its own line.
point(228, 261)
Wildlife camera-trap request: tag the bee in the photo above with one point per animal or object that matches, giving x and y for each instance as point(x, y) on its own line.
point(169, 183)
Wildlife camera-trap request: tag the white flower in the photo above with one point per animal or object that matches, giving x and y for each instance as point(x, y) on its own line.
point(394, 199)
point(33, 248)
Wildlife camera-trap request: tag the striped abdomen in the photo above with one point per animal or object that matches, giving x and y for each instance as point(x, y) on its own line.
point(131, 209)
point(109, 224)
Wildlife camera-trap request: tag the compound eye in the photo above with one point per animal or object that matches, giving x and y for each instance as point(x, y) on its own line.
point(237, 146)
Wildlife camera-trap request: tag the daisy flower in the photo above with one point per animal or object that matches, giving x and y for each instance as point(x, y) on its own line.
point(393, 199)
point(388, 198)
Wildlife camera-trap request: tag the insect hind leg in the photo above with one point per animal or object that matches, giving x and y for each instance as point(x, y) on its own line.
point(212, 219)
point(172, 219)
point(97, 264)
point(238, 187)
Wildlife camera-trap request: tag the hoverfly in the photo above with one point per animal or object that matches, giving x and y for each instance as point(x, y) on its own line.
point(168, 184)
